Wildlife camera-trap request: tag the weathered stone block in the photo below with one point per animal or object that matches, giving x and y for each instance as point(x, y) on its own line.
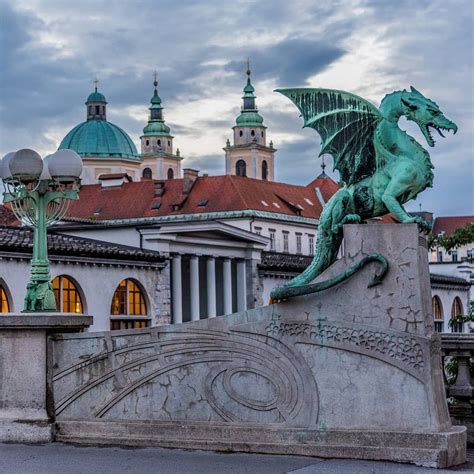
point(24, 413)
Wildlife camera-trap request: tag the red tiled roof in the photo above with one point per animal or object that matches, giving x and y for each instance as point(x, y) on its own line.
point(7, 217)
point(222, 193)
point(449, 224)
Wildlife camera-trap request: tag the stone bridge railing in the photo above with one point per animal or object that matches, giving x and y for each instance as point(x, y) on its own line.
point(461, 391)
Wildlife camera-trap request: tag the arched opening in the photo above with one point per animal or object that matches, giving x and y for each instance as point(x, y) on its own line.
point(262, 134)
point(128, 309)
point(241, 168)
point(264, 170)
point(159, 142)
point(66, 293)
point(456, 310)
point(147, 173)
point(169, 143)
point(170, 173)
point(241, 133)
point(438, 314)
point(147, 142)
point(4, 300)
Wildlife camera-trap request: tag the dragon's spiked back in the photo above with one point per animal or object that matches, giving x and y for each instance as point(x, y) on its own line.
point(346, 124)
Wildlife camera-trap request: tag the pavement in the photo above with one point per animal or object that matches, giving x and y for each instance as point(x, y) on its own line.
point(68, 459)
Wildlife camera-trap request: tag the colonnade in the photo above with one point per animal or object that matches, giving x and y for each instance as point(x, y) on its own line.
point(212, 287)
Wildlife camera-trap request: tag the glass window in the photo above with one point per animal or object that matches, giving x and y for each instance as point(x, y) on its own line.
point(147, 173)
point(68, 298)
point(258, 230)
point(311, 244)
point(285, 241)
point(440, 255)
point(264, 170)
point(4, 305)
point(456, 310)
point(272, 239)
point(128, 300)
point(298, 243)
point(170, 173)
point(241, 168)
point(438, 314)
point(454, 256)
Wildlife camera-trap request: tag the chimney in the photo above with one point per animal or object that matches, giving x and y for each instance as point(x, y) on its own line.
point(190, 177)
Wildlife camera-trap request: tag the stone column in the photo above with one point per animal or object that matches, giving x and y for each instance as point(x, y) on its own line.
point(227, 284)
point(211, 287)
point(194, 286)
point(241, 286)
point(176, 288)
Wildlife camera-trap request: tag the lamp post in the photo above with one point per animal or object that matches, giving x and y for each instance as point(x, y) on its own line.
point(39, 192)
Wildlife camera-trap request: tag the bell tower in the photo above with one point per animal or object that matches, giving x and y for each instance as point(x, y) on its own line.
point(249, 154)
point(159, 161)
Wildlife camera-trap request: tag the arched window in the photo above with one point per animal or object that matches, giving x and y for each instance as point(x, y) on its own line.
point(159, 142)
point(241, 133)
point(438, 314)
point(262, 134)
point(241, 168)
point(147, 142)
point(4, 305)
point(252, 133)
point(147, 173)
point(68, 298)
point(169, 143)
point(456, 310)
point(264, 170)
point(170, 173)
point(128, 309)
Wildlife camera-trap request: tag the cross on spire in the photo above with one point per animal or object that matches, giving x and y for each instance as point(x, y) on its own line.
point(155, 82)
point(95, 82)
point(248, 67)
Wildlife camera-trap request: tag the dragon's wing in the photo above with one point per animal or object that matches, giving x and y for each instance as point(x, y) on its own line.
point(346, 124)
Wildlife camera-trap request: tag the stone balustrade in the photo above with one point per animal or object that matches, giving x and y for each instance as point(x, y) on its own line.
point(461, 346)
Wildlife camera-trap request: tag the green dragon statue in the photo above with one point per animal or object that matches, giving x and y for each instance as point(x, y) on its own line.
point(380, 165)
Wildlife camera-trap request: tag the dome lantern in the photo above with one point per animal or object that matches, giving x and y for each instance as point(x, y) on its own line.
point(96, 105)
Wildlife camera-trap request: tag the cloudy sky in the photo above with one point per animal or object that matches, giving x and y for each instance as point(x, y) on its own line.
point(51, 50)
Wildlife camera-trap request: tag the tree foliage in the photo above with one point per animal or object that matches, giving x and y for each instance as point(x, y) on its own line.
point(460, 237)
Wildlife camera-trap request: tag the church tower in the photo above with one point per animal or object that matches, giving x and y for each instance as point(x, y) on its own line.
point(249, 154)
point(158, 159)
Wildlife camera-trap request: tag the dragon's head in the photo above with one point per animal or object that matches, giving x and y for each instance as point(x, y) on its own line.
point(426, 114)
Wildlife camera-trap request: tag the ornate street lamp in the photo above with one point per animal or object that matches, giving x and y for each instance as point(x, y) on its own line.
point(39, 192)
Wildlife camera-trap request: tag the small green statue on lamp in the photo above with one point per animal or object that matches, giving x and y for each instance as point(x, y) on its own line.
point(39, 191)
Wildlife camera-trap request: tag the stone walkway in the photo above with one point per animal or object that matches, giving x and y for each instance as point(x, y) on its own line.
point(66, 459)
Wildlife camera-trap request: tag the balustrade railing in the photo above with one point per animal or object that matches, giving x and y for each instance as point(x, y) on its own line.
point(458, 354)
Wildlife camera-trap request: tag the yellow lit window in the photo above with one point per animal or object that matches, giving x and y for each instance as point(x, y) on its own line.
point(128, 300)
point(4, 306)
point(68, 298)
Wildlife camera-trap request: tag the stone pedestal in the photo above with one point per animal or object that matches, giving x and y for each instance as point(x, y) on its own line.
point(24, 413)
point(350, 372)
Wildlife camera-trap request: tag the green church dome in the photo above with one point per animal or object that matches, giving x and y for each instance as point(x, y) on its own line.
point(99, 138)
point(249, 119)
point(156, 128)
point(96, 97)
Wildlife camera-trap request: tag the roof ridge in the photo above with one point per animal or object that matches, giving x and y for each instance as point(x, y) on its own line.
point(238, 191)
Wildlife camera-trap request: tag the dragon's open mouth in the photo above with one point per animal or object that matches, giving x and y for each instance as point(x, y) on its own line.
point(427, 132)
